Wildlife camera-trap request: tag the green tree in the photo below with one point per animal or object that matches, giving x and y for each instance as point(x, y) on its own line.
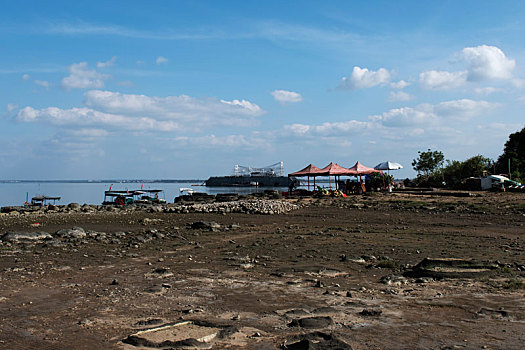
point(427, 162)
point(515, 151)
point(456, 171)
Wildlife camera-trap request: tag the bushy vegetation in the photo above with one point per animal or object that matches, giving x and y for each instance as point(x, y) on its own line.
point(515, 151)
point(433, 173)
point(378, 180)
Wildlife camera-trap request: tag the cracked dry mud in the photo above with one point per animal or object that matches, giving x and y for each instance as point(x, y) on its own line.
point(328, 275)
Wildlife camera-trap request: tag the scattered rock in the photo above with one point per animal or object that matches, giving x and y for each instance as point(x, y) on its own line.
point(366, 312)
point(205, 225)
point(315, 341)
point(150, 322)
point(491, 312)
point(312, 322)
point(73, 233)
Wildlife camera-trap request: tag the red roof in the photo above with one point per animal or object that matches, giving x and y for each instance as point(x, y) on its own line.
point(309, 170)
point(333, 169)
point(360, 169)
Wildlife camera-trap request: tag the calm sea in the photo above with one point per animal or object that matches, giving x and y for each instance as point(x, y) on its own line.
point(14, 193)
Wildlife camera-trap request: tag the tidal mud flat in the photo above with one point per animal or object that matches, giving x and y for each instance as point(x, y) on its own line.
point(325, 273)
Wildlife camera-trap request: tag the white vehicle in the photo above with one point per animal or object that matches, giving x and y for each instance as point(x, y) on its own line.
point(186, 190)
point(496, 181)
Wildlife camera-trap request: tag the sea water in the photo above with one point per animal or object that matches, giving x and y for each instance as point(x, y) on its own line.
point(15, 193)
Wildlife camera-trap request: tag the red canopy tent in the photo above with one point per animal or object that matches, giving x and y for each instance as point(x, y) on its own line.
point(359, 169)
point(333, 169)
point(310, 170)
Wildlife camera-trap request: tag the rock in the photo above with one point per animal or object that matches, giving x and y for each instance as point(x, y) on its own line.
point(297, 312)
point(205, 225)
point(312, 322)
point(86, 322)
point(366, 312)
point(33, 237)
point(451, 268)
point(150, 322)
point(74, 206)
point(491, 312)
point(75, 233)
point(315, 341)
point(394, 280)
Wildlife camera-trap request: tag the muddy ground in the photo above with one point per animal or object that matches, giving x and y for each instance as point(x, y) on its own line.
point(328, 275)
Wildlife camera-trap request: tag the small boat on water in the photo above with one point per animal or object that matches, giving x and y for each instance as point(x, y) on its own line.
point(42, 200)
point(187, 190)
point(123, 197)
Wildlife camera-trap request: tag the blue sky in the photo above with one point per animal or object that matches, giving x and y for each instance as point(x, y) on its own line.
point(187, 89)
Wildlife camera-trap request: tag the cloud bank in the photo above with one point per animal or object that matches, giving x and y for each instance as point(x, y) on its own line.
point(128, 112)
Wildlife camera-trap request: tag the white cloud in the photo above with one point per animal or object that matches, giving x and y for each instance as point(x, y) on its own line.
point(400, 122)
point(160, 60)
point(42, 83)
point(362, 78)
point(486, 90)
point(283, 96)
point(11, 107)
point(181, 107)
point(298, 129)
point(86, 117)
point(245, 107)
point(483, 63)
point(108, 63)
point(89, 133)
point(487, 62)
point(441, 80)
point(399, 85)
point(400, 96)
point(106, 109)
point(407, 116)
point(228, 141)
point(463, 109)
point(81, 77)
point(329, 129)
point(26, 77)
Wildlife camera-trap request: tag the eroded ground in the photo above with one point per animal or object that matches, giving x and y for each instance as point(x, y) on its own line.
point(330, 272)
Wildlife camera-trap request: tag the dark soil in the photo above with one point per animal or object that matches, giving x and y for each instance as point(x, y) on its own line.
point(272, 276)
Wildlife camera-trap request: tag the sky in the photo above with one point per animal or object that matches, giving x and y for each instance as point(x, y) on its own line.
point(187, 89)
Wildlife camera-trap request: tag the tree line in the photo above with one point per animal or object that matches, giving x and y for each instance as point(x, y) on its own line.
point(434, 171)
